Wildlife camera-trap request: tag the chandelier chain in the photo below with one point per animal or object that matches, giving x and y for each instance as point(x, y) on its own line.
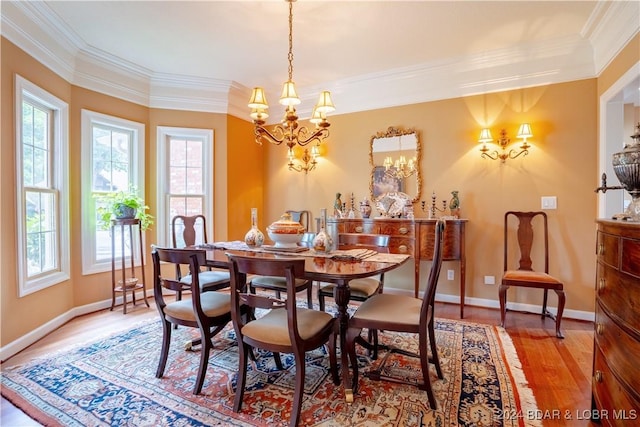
point(290, 56)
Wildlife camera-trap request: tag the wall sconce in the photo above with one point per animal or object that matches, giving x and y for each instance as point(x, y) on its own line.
point(485, 137)
point(306, 163)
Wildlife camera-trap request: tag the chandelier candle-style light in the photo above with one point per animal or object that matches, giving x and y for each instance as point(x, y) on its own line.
point(288, 131)
point(400, 168)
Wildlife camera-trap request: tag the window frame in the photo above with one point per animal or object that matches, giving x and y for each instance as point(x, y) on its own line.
point(59, 186)
point(164, 133)
point(90, 264)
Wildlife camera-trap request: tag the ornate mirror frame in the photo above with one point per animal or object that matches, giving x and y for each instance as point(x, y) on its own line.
point(392, 132)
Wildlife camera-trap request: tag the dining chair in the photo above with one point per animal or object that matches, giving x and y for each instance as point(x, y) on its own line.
point(518, 240)
point(360, 289)
point(279, 284)
point(190, 231)
point(210, 312)
point(285, 328)
point(401, 313)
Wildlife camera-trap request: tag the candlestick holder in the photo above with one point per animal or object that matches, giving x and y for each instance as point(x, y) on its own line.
point(431, 212)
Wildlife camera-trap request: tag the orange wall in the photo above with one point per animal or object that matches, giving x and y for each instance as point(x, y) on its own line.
point(22, 315)
point(562, 163)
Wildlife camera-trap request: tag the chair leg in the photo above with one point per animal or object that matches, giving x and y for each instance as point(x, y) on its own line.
point(352, 336)
point(424, 366)
point(278, 360)
point(434, 348)
point(296, 407)
point(320, 298)
point(164, 351)
point(204, 359)
point(333, 359)
point(310, 295)
point(502, 294)
point(544, 303)
point(242, 376)
point(561, 301)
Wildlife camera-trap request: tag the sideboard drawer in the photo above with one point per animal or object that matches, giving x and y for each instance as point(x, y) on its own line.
point(452, 241)
point(361, 227)
point(397, 228)
point(608, 247)
point(617, 345)
point(611, 398)
point(630, 262)
point(401, 245)
point(619, 293)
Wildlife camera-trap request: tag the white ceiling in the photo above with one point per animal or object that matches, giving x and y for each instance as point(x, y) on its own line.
point(206, 55)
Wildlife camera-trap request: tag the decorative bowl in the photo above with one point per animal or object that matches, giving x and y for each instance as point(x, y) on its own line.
point(285, 232)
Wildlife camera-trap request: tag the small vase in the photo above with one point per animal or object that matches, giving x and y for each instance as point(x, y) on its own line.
point(323, 242)
point(365, 208)
point(254, 237)
point(454, 204)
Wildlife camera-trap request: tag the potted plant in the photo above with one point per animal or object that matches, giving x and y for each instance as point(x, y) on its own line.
point(123, 205)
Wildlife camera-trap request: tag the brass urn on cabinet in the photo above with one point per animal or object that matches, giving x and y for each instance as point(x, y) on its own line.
point(626, 165)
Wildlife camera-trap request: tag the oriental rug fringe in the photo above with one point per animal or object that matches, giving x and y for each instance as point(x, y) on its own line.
point(112, 382)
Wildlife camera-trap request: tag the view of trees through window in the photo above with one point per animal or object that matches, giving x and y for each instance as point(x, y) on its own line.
point(40, 198)
point(111, 169)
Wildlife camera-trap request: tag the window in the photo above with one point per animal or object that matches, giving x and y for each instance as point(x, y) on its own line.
point(112, 160)
point(42, 144)
point(185, 188)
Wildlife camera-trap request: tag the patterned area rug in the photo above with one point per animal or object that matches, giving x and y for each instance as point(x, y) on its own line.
point(112, 382)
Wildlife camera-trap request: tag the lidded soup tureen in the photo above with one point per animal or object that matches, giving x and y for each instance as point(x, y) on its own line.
point(285, 232)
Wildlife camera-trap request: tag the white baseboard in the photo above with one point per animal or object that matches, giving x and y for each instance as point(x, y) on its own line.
point(31, 337)
point(40, 332)
point(489, 303)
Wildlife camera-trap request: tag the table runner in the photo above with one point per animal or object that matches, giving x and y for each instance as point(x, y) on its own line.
point(337, 254)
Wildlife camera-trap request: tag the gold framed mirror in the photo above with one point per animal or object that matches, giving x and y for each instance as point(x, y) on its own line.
point(395, 156)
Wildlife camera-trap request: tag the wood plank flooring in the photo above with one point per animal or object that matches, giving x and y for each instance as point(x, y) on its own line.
point(558, 371)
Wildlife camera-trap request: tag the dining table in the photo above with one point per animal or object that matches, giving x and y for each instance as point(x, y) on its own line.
point(339, 267)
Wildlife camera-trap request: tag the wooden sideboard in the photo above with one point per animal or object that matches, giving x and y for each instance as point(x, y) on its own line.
point(616, 373)
point(413, 237)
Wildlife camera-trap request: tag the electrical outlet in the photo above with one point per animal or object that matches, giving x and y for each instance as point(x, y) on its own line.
point(450, 275)
point(549, 202)
point(489, 280)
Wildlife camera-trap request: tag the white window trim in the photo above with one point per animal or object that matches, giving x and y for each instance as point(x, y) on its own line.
point(163, 220)
point(60, 176)
point(88, 118)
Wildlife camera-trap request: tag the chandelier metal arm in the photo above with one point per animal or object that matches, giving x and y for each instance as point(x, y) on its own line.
point(513, 156)
point(276, 138)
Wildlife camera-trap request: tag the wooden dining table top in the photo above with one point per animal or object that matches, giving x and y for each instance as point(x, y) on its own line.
point(318, 268)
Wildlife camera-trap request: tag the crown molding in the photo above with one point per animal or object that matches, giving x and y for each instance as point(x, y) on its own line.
point(34, 27)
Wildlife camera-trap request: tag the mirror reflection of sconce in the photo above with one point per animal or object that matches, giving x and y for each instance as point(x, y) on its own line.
point(503, 142)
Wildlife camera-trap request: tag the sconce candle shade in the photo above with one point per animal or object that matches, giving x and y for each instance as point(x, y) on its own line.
point(525, 131)
point(485, 136)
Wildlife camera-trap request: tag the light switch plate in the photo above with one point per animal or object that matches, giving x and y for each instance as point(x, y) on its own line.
point(549, 202)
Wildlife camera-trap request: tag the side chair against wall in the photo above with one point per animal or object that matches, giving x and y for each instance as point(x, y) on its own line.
point(189, 231)
point(210, 312)
point(524, 275)
point(285, 328)
point(401, 313)
point(279, 284)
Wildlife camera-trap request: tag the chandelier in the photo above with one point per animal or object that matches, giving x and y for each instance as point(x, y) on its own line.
point(288, 131)
point(401, 168)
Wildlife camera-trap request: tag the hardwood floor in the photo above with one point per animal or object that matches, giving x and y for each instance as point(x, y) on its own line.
point(558, 371)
